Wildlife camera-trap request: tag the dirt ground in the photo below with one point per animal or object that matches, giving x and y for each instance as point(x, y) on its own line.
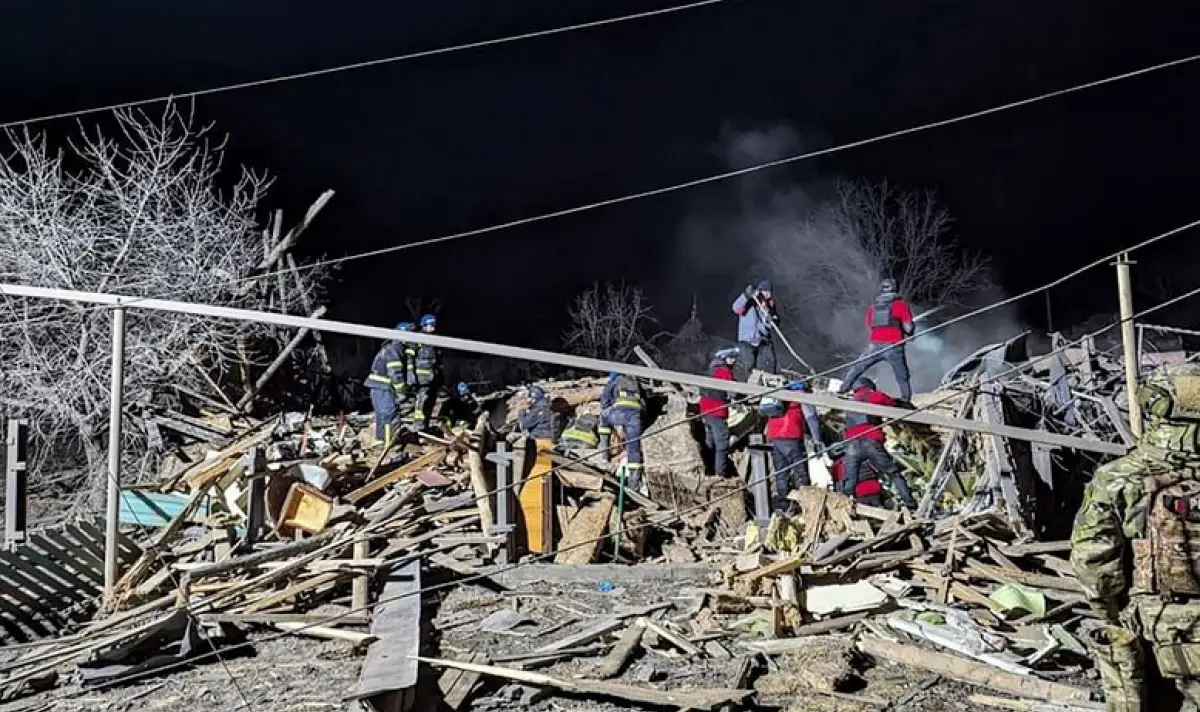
point(293, 674)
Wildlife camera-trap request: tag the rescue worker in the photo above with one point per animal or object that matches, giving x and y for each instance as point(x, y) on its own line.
point(785, 434)
point(580, 433)
point(387, 383)
point(867, 490)
point(537, 420)
point(756, 313)
point(410, 365)
point(1135, 547)
point(621, 405)
point(889, 322)
point(462, 409)
point(714, 409)
point(864, 443)
point(426, 375)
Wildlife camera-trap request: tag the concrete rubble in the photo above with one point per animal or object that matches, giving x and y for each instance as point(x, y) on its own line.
point(296, 543)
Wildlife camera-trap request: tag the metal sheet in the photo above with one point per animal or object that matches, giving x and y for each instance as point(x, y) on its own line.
point(391, 664)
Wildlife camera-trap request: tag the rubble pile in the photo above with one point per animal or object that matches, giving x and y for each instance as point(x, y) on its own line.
point(521, 572)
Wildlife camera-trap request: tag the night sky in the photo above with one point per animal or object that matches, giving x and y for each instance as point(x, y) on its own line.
point(438, 145)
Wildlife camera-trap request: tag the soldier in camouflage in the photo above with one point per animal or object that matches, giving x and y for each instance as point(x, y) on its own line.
point(1136, 546)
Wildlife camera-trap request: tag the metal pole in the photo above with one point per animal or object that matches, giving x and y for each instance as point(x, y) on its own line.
point(112, 512)
point(568, 360)
point(760, 487)
point(15, 481)
point(1049, 315)
point(1129, 343)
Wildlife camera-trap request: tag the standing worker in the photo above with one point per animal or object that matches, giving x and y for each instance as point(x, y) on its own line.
point(410, 364)
point(756, 313)
point(867, 490)
point(1135, 547)
point(864, 443)
point(388, 384)
point(714, 408)
point(427, 375)
point(889, 322)
point(621, 405)
point(785, 434)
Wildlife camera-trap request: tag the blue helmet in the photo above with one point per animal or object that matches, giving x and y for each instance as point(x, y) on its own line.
point(537, 393)
point(405, 326)
point(462, 389)
point(428, 320)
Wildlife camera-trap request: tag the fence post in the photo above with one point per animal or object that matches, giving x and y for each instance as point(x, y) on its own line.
point(15, 482)
point(759, 485)
point(504, 525)
point(113, 509)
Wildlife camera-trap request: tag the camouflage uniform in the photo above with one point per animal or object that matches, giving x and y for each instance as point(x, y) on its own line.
point(1136, 546)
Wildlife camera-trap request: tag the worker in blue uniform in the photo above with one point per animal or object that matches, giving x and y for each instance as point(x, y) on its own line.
point(426, 375)
point(621, 406)
point(388, 384)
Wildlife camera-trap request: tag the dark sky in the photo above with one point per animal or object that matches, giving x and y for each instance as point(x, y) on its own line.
point(438, 145)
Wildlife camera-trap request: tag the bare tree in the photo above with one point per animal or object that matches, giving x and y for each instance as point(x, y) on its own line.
point(608, 321)
point(137, 212)
point(826, 263)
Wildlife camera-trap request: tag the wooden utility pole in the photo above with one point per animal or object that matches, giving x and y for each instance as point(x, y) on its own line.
point(1129, 343)
point(112, 513)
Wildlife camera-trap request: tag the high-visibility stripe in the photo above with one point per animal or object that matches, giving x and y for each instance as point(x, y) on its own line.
point(380, 379)
point(583, 436)
point(628, 403)
point(605, 430)
point(395, 364)
point(424, 372)
point(633, 465)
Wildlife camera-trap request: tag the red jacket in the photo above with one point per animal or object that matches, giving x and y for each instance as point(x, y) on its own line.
point(789, 426)
point(711, 404)
point(891, 334)
point(859, 425)
point(868, 480)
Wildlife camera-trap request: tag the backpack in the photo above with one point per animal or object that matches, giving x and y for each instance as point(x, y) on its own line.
point(881, 315)
point(627, 384)
point(1167, 560)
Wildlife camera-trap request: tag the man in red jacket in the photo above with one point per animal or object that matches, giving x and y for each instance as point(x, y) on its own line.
point(867, 490)
point(864, 443)
point(889, 321)
point(785, 434)
point(714, 408)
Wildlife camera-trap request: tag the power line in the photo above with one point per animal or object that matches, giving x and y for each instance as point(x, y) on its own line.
point(749, 169)
point(371, 62)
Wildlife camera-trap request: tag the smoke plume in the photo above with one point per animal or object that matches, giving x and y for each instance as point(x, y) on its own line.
point(825, 245)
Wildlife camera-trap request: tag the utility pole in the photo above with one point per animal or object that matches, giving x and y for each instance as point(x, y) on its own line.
point(112, 512)
point(1129, 343)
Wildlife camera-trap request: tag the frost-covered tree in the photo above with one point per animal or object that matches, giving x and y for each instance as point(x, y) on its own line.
point(146, 209)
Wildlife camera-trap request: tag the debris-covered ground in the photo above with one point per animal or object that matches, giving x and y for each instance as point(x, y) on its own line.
point(293, 563)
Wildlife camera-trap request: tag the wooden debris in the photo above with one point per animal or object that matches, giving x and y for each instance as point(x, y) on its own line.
point(689, 699)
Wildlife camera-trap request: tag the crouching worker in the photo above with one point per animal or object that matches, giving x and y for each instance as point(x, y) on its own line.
point(388, 385)
point(714, 409)
point(786, 426)
point(580, 433)
point(867, 490)
point(864, 443)
point(537, 420)
point(621, 406)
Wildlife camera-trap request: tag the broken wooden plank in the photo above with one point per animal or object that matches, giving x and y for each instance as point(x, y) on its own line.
point(408, 469)
point(623, 652)
point(689, 699)
point(971, 672)
point(457, 685)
